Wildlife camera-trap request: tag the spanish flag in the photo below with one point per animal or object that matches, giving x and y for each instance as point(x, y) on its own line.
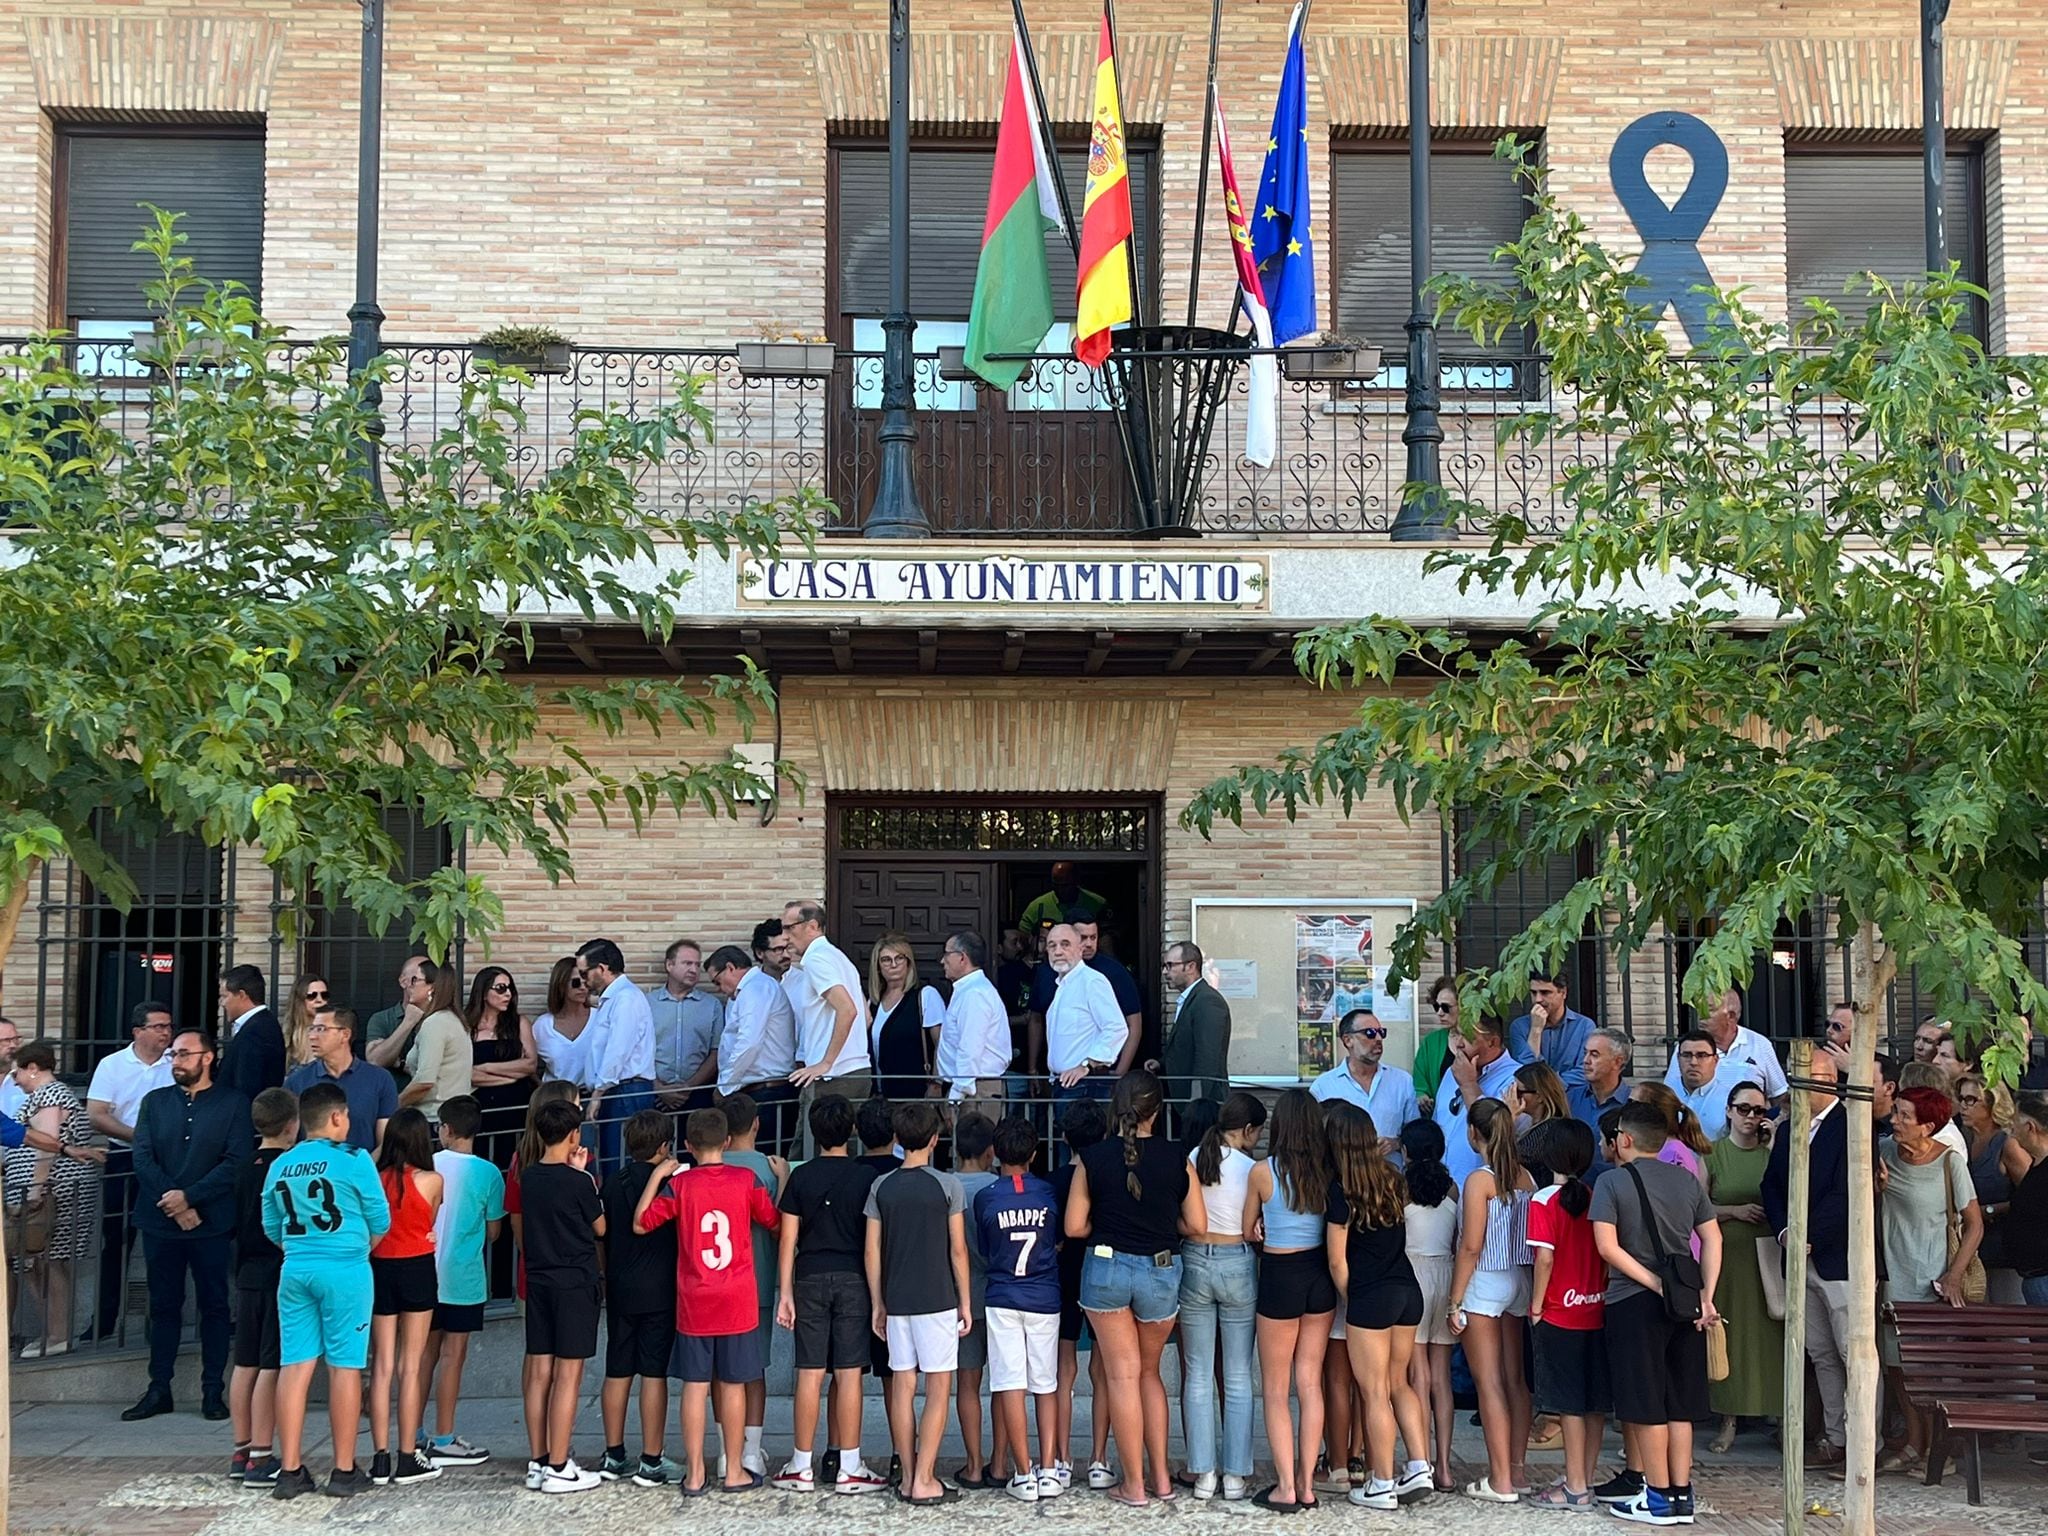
point(1104, 290)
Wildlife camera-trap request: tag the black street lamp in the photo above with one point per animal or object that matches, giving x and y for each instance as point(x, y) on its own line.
point(1422, 517)
point(896, 513)
point(365, 319)
point(1933, 131)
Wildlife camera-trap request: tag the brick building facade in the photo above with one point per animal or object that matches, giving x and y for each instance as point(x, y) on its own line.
point(685, 177)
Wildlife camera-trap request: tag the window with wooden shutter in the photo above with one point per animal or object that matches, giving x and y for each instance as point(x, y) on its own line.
point(1851, 210)
point(213, 177)
point(948, 206)
point(1476, 206)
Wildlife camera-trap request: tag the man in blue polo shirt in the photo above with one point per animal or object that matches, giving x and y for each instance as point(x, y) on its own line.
point(372, 1091)
point(1550, 1031)
point(1362, 1078)
point(1481, 1068)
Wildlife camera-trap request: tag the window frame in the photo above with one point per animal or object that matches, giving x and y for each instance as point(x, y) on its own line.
point(1971, 148)
point(66, 130)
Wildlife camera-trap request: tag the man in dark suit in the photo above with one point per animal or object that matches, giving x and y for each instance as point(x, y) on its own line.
point(254, 1056)
point(1195, 1058)
point(1827, 1244)
point(191, 1140)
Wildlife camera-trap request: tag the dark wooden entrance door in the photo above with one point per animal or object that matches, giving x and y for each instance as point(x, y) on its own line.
point(923, 900)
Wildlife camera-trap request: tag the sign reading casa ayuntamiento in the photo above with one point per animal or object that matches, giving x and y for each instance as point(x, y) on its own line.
point(1121, 581)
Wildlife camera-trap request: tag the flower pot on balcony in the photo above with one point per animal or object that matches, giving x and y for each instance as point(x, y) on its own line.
point(1332, 364)
point(161, 349)
point(953, 366)
point(552, 359)
point(785, 359)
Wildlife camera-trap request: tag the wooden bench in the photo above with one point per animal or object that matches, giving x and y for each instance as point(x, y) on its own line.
point(1980, 1371)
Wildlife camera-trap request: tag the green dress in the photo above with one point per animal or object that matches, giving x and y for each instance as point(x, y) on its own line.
point(1756, 1341)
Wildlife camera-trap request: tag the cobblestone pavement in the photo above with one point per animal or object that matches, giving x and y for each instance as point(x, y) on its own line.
point(97, 1480)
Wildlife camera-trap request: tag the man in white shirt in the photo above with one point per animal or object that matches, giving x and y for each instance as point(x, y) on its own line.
point(1744, 1052)
point(757, 1050)
point(1088, 1043)
point(831, 1006)
point(620, 1048)
point(113, 1100)
point(974, 1040)
point(1362, 1078)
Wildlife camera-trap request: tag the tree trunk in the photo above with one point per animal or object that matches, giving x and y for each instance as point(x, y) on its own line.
point(1873, 967)
point(1799, 1167)
point(10, 924)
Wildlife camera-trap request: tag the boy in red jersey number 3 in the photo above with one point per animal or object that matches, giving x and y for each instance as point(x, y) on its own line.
point(717, 1308)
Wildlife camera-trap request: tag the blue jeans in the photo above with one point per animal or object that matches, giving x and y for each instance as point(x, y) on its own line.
point(2034, 1290)
point(1110, 1284)
point(1097, 1086)
point(1219, 1285)
point(622, 1101)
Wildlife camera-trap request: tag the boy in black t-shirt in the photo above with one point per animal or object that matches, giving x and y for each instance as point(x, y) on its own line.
point(252, 1392)
point(824, 1296)
point(640, 1307)
point(922, 1298)
point(563, 1220)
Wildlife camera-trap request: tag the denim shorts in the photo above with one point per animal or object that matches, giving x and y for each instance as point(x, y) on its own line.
point(1112, 1281)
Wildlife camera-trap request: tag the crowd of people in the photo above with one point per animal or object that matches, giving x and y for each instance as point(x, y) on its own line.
point(768, 1140)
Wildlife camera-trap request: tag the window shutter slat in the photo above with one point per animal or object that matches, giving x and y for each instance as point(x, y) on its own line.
point(1476, 206)
point(216, 182)
point(1847, 213)
point(948, 205)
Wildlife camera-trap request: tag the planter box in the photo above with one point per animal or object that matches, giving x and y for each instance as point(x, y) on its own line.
point(953, 367)
point(549, 360)
point(160, 350)
point(1342, 364)
point(785, 359)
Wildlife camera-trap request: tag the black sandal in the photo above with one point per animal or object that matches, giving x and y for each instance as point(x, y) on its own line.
point(1265, 1500)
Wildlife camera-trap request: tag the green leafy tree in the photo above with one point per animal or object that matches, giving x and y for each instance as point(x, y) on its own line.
point(1831, 694)
point(218, 627)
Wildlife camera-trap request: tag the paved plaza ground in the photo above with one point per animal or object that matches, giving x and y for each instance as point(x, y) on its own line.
point(77, 1468)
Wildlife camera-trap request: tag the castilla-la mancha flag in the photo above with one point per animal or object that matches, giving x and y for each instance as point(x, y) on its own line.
point(1104, 288)
point(1262, 407)
point(1012, 287)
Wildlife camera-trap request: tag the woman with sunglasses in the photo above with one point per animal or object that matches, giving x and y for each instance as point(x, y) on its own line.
point(1433, 1050)
point(558, 1033)
point(505, 1066)
point(310, 994)
point(1756, 1341)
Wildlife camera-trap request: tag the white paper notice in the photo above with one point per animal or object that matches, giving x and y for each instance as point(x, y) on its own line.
point(1235, 978)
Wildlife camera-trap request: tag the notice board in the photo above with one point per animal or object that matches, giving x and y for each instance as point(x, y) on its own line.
point(1292, 967)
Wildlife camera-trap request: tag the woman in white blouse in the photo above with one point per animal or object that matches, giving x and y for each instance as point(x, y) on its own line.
point(558, 1033)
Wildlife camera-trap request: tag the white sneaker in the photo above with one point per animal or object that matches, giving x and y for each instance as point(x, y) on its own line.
point(1234, 1489)
point(1049, 1484)
point(1375, 1495)
point(536, 1474)
point(1100, 1477)
point(755, 1462)
point(1418, 1484)
point(1024, 1487)
point(571, 1479)
point(1064, 1471)
point(1205, 1485)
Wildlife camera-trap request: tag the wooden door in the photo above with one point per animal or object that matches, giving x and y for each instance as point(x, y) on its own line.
point(926, 900)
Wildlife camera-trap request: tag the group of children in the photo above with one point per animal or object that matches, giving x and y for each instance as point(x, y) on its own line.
point(367, 1262)
point(887, 1262)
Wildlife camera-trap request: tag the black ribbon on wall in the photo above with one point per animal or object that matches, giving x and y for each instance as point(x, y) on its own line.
point(1673, 272)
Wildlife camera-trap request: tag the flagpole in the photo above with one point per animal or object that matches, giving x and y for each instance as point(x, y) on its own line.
point(1202, 189)
point(1116, 80)
point(1045, 138)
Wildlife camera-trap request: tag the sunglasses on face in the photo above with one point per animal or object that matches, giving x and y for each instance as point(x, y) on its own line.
point(1450, 1007)
point(1365, 1034)
point(1749, 1109)
point(316, 997)
point(500, 986)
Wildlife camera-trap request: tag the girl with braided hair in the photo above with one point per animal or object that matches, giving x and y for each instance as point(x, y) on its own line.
point(1125, 1204)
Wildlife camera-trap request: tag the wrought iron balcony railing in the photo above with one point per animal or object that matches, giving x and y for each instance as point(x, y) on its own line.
point(1040, 460)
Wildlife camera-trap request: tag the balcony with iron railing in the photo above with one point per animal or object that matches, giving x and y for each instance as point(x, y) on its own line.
point(1041, 460)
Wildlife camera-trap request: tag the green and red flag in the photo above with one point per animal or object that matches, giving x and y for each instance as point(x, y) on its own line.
point(1012, 286)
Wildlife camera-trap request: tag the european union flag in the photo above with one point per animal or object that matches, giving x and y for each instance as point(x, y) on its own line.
point(1281, 245)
